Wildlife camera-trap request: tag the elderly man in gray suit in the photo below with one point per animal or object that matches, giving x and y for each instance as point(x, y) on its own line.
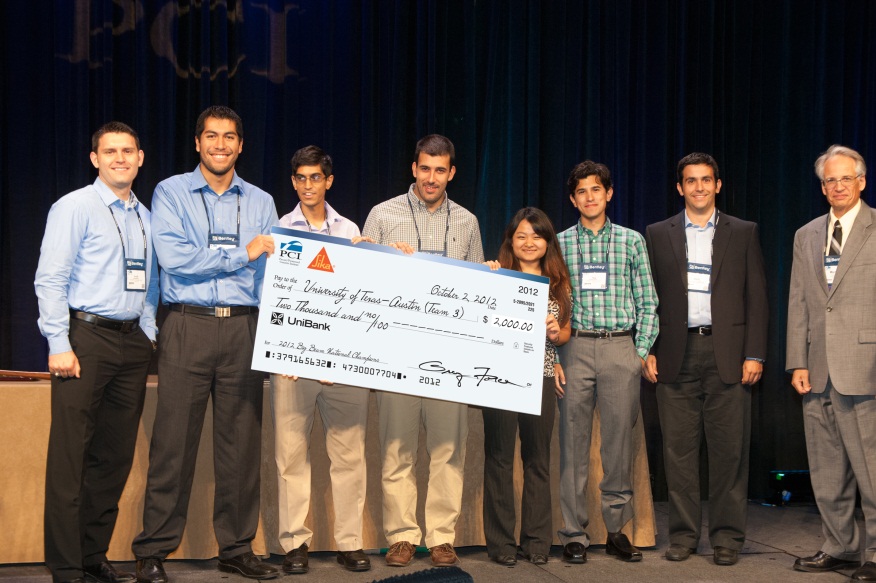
point(831, 354)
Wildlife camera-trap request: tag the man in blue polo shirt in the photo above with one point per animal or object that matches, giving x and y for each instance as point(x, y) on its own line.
point(212, 235)
point(97, 289)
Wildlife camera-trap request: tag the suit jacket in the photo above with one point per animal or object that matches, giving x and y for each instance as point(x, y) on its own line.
point(738, 298)
point(833, 332)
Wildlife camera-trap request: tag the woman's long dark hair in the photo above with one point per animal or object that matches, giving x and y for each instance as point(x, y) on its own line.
point(552, 264)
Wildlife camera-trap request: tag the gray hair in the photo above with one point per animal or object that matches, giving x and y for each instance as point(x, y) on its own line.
point(837, 150)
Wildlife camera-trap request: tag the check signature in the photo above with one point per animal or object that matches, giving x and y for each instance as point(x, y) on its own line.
point(437, 366)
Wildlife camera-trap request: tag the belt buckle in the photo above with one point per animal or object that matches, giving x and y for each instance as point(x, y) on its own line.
point(603, 334)
point(223, 311)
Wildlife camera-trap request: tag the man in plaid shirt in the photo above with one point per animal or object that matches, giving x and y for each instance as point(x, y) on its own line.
point(614, 324)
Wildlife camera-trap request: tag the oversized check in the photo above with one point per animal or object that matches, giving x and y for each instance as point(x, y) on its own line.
point(371, 316)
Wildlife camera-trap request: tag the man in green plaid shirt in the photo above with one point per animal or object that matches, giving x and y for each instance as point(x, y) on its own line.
point(614, 324)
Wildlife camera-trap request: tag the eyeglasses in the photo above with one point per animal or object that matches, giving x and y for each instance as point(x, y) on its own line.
point(846, 181)
point(314, 178)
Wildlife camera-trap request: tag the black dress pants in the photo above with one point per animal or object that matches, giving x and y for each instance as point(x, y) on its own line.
point(500, 433)
point(95, 419)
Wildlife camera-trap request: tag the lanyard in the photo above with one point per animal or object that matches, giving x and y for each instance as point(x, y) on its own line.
point(581, 252)
point(328, 228)
point(210, 224)
point(122, 239)
point(711, 243)
point(446, 229)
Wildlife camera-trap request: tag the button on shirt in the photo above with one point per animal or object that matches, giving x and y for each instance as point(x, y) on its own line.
point(334, 224)
point(630, 300)
point(191, 272)
point(82, 266)
point(699, 250)
point(392, 221)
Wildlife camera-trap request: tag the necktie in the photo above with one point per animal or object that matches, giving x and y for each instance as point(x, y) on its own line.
point(836, 243)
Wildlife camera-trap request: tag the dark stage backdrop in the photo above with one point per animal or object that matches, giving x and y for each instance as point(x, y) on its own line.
point(524, 89)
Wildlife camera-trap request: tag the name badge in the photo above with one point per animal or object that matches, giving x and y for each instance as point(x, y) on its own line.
point(135, 274)
point(699, 277)
point(224, 240)
point(831, 262)
point(594, 276)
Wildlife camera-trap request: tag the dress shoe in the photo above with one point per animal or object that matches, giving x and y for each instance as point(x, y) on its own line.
point(575, 553)
point(295, 562)
point(106, 573)
point(866, 572)
point(678, 552)
point(538, 559)
point(505, 560)
point(248, 565)
point(725, 556)
point(354, 560)
point(821, 562)
point(76, 580)
point(151, 571)
point(400, 554)
point(619, 545)
point(443, 555)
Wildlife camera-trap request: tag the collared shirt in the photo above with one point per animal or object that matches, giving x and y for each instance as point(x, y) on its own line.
point(630, 302)
point(82, 263)
point(847, 221)
point(334, 224)
point(393, 221)
point(699, 250)
point(191, 272)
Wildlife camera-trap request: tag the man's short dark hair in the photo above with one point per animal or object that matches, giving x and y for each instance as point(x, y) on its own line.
point(694, 159)
point(588, 168)
point(219, 112)
point(435, 145)
point(113, 127)
point(312, 156)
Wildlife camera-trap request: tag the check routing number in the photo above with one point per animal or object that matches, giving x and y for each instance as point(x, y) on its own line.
point(371, 316)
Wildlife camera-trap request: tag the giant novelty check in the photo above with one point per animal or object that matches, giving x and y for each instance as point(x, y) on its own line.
point(370, 316)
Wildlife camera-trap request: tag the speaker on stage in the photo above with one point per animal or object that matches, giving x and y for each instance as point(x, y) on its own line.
point(436, 575)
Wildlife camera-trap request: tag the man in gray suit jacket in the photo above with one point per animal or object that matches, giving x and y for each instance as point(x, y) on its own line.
point(708, 270)
point(831, 353)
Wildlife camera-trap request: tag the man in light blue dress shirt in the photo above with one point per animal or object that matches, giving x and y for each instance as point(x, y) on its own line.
point(212, 236)
point(97, 289)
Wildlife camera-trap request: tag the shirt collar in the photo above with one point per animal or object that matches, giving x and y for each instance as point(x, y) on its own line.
point(331, 215)
point(417, 203)
point(607, 225)
point(847, 220)
point(108, 197)
point(711, 223)
point(200, 183)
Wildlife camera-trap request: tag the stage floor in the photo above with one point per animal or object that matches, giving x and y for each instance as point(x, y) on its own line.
point(776, 537)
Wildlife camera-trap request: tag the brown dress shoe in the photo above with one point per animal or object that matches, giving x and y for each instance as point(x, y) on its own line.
point(400, 554)
point(443, 555)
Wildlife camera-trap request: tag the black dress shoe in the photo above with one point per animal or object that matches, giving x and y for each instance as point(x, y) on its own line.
point(821, 562)
point(354, 560)
point(505, 560)
point(106, 573)
point(677, 552)
point(295, 562)
point(575, 553)
point(866, 572)
point(725, 556)
point(248, 565)
point(151, 571)
point(76, 580)
point(620, 546)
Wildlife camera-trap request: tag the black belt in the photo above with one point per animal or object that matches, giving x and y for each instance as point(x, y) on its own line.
point(117, 325)
point(701, 330)
point(216, 311)
point(600, 333)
